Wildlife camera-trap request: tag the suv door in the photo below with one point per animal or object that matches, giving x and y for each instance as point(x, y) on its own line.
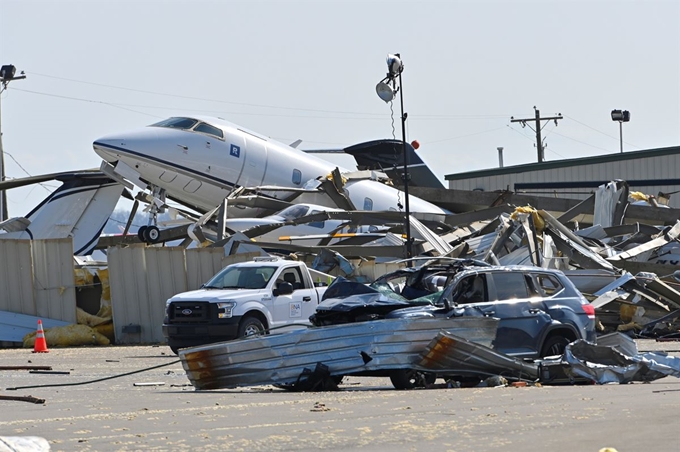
point(510, 297)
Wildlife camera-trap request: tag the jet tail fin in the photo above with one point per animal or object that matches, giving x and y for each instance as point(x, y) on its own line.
point(387, 156)
point(79, 208)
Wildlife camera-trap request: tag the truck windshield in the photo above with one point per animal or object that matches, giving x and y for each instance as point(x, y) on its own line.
point(238, 277)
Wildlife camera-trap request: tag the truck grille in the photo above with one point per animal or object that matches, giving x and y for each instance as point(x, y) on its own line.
point(188, 312)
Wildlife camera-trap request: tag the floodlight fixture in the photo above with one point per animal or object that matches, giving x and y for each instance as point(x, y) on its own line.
point(385, 91)
point(621, 116)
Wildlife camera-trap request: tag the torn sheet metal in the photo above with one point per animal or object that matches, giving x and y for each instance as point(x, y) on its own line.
point(653, 283)
point(591, 281)
point(615, 284)
point(362, 347)
point(419, 230)
point(607, 198)
point(527, 222)
point(607, 364)
point(449, 354)
point(14, 326)
point(657, 242)
point(665, 326)
point(620, 342)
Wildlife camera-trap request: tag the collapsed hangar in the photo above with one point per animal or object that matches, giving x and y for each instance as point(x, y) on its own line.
point(652, 171)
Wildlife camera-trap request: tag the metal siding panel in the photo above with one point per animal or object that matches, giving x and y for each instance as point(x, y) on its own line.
point(16, 277)
point(166, 276)
point(54, 279)
point(202, 264)
point(127, 277)
point(234, 258)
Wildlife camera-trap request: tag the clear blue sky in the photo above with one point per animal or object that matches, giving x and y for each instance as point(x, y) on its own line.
point(308, 70)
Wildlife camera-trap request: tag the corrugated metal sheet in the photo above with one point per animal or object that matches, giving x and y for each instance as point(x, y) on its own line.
point(13, 326)
point(451, 354)
point(36, 279)
point(54, 279)
point(362, 347)
point(142, 279)
point(16, 277)
point(202, 264)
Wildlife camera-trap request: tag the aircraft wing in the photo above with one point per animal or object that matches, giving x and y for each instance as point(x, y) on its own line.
point(24, 181)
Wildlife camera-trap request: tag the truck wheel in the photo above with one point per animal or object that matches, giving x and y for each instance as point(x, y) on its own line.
point(554, 346)
point(250, 326)
point(410, 378)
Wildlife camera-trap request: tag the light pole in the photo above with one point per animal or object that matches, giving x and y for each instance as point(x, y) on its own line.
point(621, 116)
point(6, 75)
point(386, 90)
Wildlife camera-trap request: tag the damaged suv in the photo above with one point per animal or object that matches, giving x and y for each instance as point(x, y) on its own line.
point(540, 310)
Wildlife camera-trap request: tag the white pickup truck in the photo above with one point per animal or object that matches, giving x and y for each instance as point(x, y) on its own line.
point(243, 299)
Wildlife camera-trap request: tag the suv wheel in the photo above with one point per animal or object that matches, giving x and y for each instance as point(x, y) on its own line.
point(555, 345)
point(250, 326)
point(410, 378)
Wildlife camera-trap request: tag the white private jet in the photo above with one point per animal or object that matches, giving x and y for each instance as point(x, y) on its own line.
point(198, 161)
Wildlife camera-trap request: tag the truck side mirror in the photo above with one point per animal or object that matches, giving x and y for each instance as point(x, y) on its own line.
point(283, 288)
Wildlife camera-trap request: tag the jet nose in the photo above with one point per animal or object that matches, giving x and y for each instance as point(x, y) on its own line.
point(103, 147)
point(112, 147)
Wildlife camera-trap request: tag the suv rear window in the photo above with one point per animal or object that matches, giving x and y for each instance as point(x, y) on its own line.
point(510, 285)
point(549, 284)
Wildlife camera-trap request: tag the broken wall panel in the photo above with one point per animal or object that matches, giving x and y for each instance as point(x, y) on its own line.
point(166, 276)
point(16, 277)
point(142, 279)
point(202, 264)
point(54, 279)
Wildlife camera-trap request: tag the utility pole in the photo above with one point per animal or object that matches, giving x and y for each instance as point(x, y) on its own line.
point(538, 119)
point(6, 75)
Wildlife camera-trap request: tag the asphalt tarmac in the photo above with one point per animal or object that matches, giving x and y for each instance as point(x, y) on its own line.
point(158, 410)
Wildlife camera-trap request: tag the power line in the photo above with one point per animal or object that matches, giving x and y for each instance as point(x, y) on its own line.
point(424, 116)
point(582, 142)
point(59, 96)
point(179, 96)
point(24, 170)
point(599, 131)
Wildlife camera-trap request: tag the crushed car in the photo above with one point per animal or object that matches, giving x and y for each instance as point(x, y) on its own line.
point(540, 310)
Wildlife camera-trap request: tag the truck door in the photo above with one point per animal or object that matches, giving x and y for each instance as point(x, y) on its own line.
point(298, 306)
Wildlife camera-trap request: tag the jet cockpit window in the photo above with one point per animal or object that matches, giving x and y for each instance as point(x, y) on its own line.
point(316, 224)
point(191, 124)
point(176, 123)
point(294, 212)
point(210, 130)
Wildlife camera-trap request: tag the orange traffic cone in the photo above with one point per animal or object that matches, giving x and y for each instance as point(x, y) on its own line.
point(40, 342)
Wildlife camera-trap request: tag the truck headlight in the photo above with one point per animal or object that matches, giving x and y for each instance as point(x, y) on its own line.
point(225, 309)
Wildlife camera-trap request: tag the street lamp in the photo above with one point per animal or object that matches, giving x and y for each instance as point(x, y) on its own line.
point(621, 116)
point(7, 74)
point(386, 90)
